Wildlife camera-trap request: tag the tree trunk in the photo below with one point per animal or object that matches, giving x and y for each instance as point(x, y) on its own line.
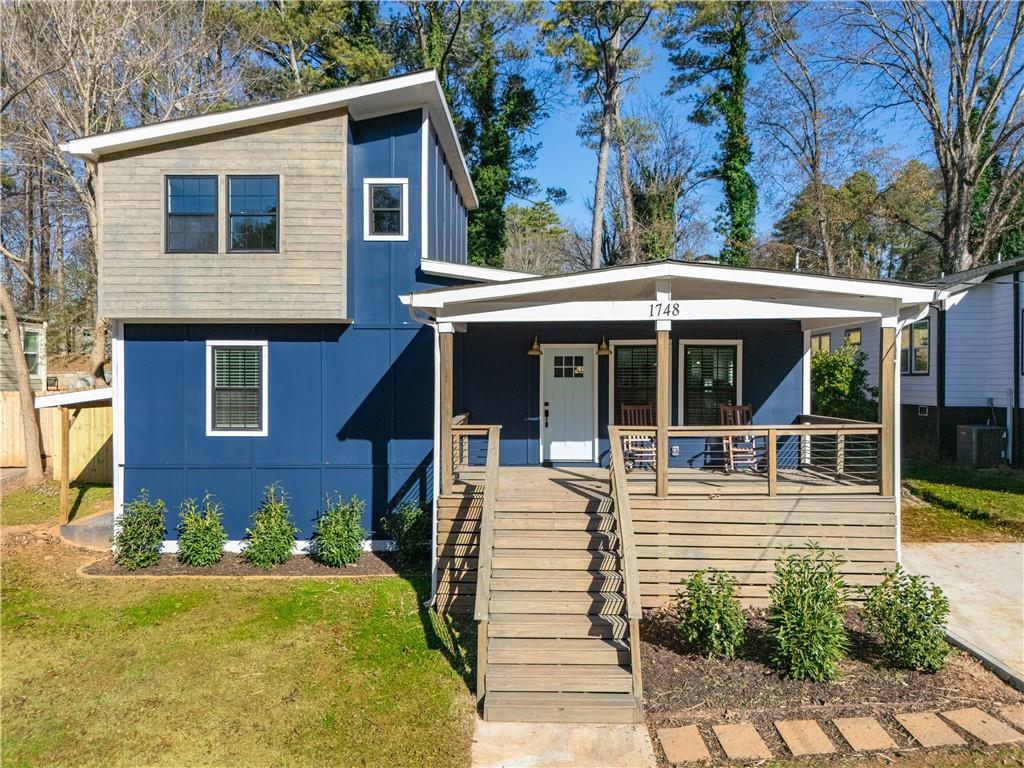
point(958, 245)
point(629, 231)
point(823, 229)
point(26, 398)
point(597, 227)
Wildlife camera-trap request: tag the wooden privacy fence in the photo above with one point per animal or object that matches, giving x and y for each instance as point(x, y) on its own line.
point(91, 454)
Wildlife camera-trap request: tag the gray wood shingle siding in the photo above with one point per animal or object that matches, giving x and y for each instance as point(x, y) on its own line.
point(305, 280)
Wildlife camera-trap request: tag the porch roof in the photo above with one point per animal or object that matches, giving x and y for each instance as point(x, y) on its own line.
point(673, 290)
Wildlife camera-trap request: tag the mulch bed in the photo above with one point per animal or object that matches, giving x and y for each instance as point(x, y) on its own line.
point(682, 687)
point(232, 564)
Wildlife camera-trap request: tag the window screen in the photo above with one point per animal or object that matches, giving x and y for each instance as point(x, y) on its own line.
point(709, 381)
point(252, 213)
point(636, 377)
point(386, 209)
point(191, 225)
point(30, 345)
point(237, 388)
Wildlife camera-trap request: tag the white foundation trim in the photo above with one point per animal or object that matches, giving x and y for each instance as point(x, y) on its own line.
point(301, 547)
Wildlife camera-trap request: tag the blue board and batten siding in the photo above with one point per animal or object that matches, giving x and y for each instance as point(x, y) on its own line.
point(447, 217)
point(351, 406)
point(496, 382)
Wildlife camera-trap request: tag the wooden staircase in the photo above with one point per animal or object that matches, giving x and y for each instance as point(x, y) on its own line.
point(556, 643)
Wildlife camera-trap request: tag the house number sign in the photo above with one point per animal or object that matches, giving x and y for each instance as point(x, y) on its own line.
point(664, 309)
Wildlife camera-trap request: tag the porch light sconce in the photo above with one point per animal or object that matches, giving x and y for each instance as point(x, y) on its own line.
point(602, 349)
point(535, 350)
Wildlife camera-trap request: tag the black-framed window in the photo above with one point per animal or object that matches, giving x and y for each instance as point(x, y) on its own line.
point(386, 209)
point(636, 377)
point(853, 337)
point(253, 213)
point(709, 381)
point(821, 342)
point(191, 214)
point(236, 389)
point(30, 346)
point(915, 349)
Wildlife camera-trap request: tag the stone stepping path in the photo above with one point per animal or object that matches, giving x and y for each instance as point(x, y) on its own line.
point(741, 741)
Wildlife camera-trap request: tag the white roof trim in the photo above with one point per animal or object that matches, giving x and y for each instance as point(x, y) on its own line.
point(907, 294)
point(380, 97)
point(470, 272)
point(77, 397)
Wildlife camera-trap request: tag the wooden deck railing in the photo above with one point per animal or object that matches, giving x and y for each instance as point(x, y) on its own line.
point(630, 572)
point(485, 551)
point(813, 455)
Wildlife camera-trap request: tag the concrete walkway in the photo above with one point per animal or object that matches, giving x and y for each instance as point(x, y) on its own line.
point(985, 587)
point(561, 745)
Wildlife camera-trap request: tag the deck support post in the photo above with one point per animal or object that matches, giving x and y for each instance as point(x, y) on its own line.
point(65, 464)
point(887, 372)
point(771, 454)
point(662, 412)
point(445, 346)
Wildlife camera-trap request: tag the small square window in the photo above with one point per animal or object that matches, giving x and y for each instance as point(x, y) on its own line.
point(252, 213)
point(191, 214)
point(853, 337)
point(387, 215)
point(821, 342)
point(237, 395)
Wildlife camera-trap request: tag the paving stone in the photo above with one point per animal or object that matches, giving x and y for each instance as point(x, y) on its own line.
point(804, 737)
point(1014, 714)
point(929, 730)
point(683, 745)
point(741, 741)
point(864, 734)
point(983, 726)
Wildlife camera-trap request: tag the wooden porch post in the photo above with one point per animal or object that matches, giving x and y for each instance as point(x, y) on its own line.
point(887, 373)
point(664, 408)
point(65, 464)
point(445, 339)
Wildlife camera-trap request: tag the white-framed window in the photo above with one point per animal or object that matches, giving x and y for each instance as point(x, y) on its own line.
point(386, 203)
point(236, 388)
point(914, 349)
point(853, 337)
point(30, 346)
point(710, 376)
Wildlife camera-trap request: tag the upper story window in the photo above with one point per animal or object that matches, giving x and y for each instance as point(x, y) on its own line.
point(191, 222)
point(853, 337)
point(30, 345)
point(253, 213)
point(386, 202)
point(236, 392)
point(914, 349)
point(821, 342)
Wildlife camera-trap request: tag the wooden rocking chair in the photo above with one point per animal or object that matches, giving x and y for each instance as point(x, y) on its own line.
point(637, 451)
point(740, 450)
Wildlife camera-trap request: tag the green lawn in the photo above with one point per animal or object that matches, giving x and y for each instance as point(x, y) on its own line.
point(39, 505)
point(136, 672)
point(964, 504)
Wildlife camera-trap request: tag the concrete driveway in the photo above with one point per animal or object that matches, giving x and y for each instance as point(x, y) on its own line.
point(985, 587)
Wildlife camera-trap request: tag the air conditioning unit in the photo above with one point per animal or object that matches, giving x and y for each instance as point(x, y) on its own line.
point(980, 445)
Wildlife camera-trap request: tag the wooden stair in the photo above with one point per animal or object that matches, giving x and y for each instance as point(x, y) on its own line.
point(557, 645)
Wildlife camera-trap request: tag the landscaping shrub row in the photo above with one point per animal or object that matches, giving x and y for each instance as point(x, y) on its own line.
point(337, 534)
point(808, 600)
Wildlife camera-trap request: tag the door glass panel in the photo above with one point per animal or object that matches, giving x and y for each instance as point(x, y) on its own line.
point(709, 381)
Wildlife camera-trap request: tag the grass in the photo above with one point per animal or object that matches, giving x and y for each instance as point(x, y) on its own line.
point(964, 504)
point(139, 672)
point(41, 504)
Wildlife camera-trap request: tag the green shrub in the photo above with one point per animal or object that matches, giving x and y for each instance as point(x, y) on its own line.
point(710, 617)
point(201, 533)
point(806, 615)
point(409, 527)
point(140, 533)
point(839, 385)
point(338, 535)
point(909, 614)
point(270, 540)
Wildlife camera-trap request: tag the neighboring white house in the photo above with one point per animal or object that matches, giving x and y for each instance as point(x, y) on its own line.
point(960, 364)
point(33, 340)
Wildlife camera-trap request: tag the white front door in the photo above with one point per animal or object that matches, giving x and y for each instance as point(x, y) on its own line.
point(568, 420)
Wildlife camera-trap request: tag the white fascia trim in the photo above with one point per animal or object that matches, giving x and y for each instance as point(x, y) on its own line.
point(300, 547)
point(830, 285)
point(469, 272)
point(265, 388)
point(78, 397)
point(424, 184)
point(404, 234)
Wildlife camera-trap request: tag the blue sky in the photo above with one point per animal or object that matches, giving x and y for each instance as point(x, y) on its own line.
point(563, 160)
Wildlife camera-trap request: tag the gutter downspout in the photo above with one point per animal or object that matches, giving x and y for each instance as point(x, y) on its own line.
point(1015, 458)
point(940, 382)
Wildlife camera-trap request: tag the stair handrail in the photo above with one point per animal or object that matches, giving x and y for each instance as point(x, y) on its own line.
point(623, 514)
point(485, 549)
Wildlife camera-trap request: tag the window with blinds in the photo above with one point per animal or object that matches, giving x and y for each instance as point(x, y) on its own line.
point(237, 389)
point(636, 377)
point(709, 381)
